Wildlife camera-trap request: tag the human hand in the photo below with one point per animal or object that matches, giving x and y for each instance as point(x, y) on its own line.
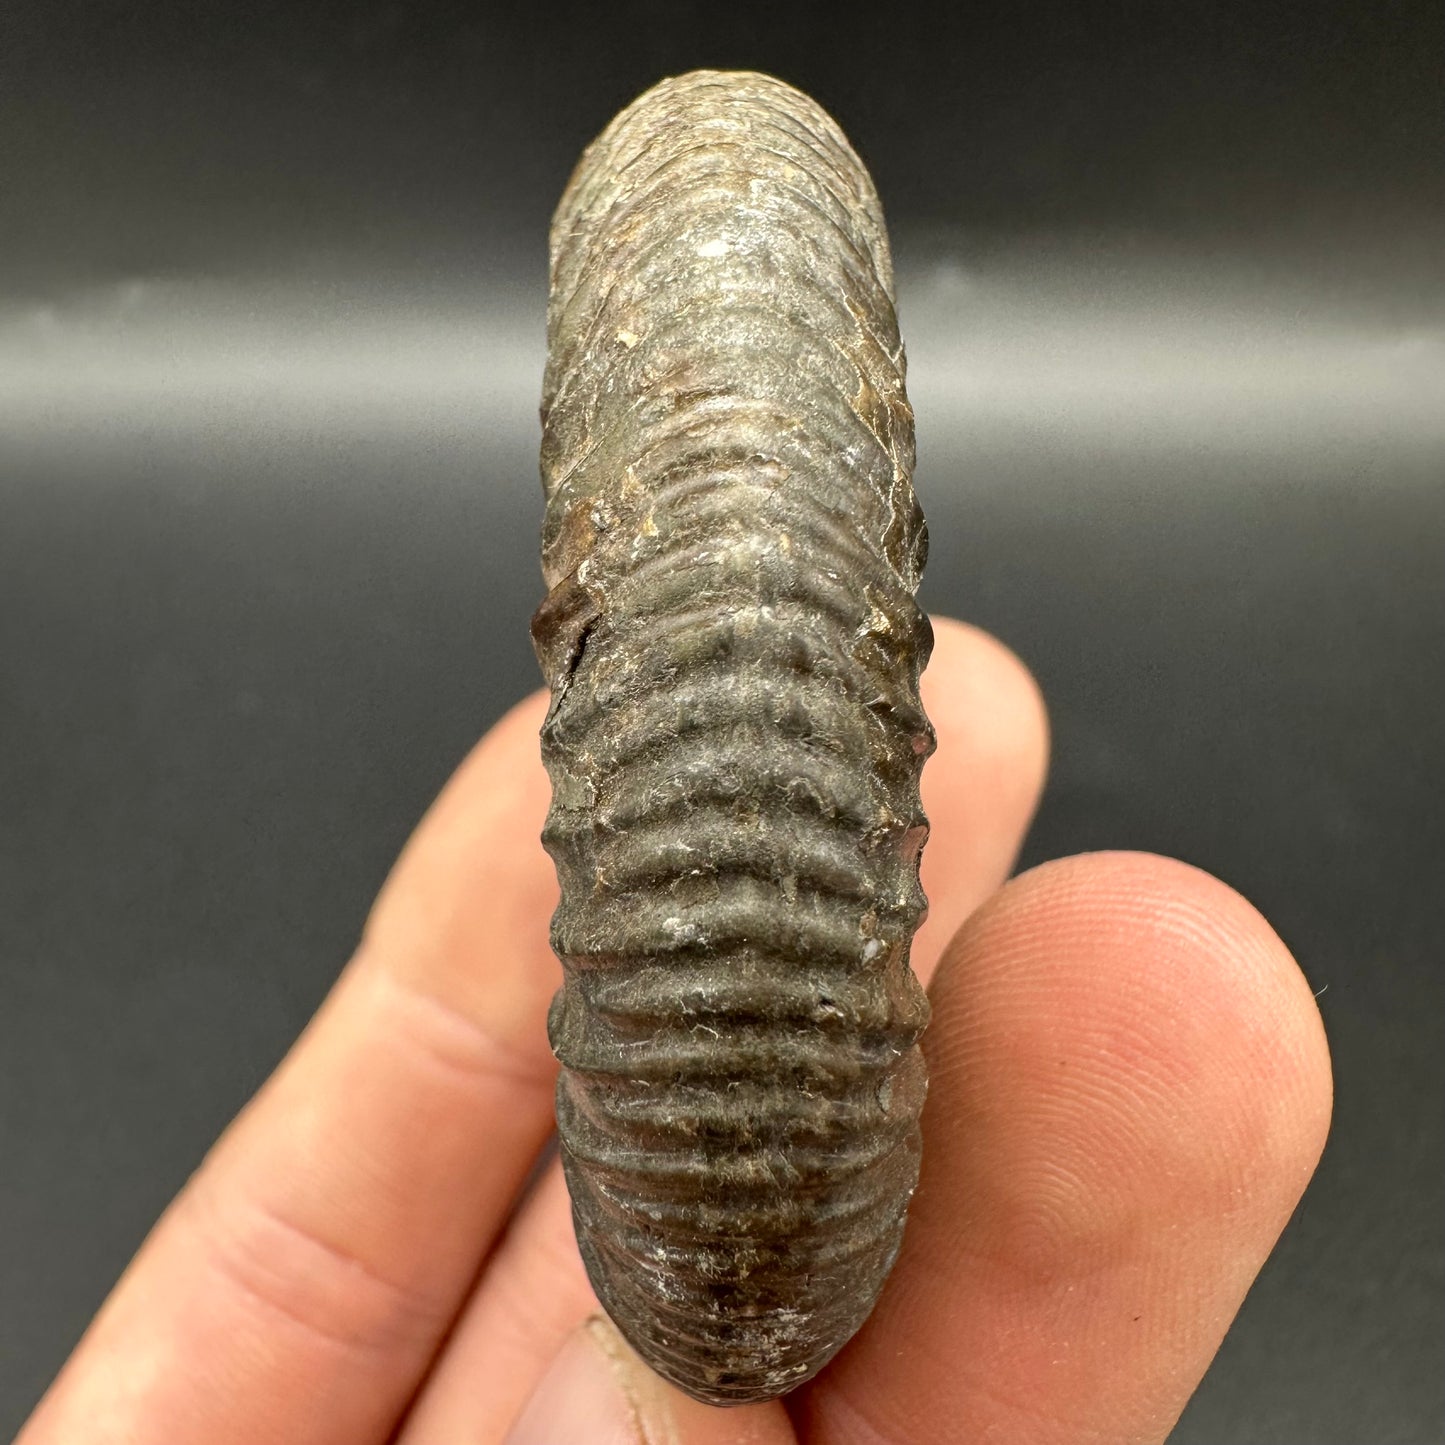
point(1129, 1090)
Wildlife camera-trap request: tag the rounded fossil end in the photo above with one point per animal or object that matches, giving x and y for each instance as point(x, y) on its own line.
point(724, 106)
point(746, 1319)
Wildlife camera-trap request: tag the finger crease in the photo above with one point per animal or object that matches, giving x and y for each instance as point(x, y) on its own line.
point(461, 1043)
point(294, 1272)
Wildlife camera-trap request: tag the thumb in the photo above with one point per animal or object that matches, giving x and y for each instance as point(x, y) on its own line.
point(598, 1392)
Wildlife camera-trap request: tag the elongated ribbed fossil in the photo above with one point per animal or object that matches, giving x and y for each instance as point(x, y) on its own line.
point(732, 547)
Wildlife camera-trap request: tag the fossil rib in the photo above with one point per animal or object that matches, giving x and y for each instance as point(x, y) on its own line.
point(732, 547)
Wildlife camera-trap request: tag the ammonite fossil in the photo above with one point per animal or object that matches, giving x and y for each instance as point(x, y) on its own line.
point(732, 547)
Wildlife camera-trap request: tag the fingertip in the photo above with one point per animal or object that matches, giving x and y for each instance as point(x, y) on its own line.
point(977, 685)
point(502, 770)
point(1129, 1092)
point(1195, 984)
point(517, 729)
point(464, 911)
point(983, 784)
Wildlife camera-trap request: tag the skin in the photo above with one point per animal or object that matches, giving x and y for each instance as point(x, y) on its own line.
point(1130, 1090)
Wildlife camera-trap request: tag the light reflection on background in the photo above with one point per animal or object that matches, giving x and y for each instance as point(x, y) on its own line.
point(1074, 346)
point(267, 558)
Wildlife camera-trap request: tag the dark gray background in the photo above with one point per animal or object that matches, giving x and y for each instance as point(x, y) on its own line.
point(271, 292)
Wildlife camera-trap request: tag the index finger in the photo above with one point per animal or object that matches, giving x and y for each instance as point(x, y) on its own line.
point(298, 1287)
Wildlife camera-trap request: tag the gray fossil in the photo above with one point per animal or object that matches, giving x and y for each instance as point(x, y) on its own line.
point(732, 546)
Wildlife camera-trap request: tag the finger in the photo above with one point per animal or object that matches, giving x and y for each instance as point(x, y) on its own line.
point(534, 1295)
point(1130, 1089)
point(597, 1392)
point(298, 1287)
point(983, 782)
point(981, 787)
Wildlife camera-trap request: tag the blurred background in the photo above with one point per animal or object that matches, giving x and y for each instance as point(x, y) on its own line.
point(272, 281)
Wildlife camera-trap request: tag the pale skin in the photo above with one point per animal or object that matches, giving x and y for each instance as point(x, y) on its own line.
point(1130, 1090)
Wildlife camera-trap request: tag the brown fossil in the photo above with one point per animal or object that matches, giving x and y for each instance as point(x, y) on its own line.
point(732, 547)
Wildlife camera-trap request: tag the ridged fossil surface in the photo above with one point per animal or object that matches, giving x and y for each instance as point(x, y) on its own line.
point(732, 547)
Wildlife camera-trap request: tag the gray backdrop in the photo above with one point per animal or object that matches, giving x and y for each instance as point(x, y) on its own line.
point(271, 292)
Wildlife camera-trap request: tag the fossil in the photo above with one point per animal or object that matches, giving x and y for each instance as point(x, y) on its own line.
point(732, 546)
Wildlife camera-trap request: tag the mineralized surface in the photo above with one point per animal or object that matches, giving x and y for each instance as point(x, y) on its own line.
point(732, 546)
